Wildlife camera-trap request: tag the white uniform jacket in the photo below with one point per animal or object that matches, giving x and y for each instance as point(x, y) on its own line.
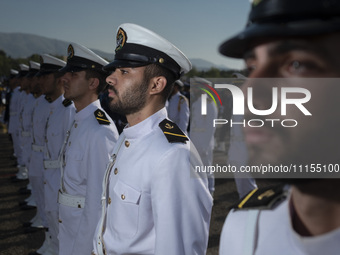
point(14, 111)
point(202, 130)
point(178, 111)
point(39, 117)
point(87, 153)
point(155, 203)
point(274, 234)
point(57, 125)
point(26, 128)
point(19, 150)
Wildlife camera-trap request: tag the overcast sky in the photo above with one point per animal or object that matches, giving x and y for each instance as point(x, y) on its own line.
point(197, 27)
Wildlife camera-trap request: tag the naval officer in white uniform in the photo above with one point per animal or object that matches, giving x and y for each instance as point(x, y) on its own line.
point(178, 107)
point(15, 126)
point(153, 202)
point(48, 74)
point(298, 42)
point(59, 114)
point(202, 130)
point(86, 153)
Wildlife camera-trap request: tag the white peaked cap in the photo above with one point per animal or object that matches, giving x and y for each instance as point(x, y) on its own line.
point(138, 46)
point(50, 64)
point(198, 80)
point(81, 58)
point(48, 59)
point(34, 65)
point(23, 70)
point(24, 67)
point(34, 69)
point(14, 72)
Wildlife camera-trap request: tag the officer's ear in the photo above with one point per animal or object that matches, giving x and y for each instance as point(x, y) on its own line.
point(93, 83)
point(157, 85)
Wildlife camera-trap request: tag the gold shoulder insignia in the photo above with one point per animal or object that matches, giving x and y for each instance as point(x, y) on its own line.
point(101, 117)
point(263, 198)
point(67, 102)
point(172, 132)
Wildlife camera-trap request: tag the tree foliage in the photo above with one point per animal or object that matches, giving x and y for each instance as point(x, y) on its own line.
point(7, 63)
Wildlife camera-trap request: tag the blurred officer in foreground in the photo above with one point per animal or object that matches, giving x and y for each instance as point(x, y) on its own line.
point(153, 202)
point(85, 153)
point(291, 39)
point(178, 107)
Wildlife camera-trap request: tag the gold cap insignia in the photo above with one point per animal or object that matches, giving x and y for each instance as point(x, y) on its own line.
point(120, 39)
point(70, 51)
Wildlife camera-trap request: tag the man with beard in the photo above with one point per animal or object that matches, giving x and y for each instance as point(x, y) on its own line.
point(153, 202)
point(295, 42)
point(86, 151)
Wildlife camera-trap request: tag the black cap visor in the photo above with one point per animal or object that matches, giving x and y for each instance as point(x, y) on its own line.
point(258, 33)
point(31, 73)
point(77, 64)
point(135, 55)
point(71, 68)
point(124, 63)
point(43, 73)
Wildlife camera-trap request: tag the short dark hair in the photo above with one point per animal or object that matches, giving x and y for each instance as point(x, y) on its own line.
point(100, 76)
point(154, 70)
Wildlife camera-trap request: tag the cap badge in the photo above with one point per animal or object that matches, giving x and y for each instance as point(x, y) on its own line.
point(121, 39)
point(70, 51)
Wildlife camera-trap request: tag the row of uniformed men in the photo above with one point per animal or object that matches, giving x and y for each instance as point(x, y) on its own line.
point(152, 202)
point(64, 141)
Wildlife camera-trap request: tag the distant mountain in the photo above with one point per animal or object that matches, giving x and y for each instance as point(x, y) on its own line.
point(21, 45)
point(203, 65)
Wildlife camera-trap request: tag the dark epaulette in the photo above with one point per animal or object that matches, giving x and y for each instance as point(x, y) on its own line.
point(101, 117)
point(48, 99)
point(67, 102)
point(172, 132)
point(263, 198)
